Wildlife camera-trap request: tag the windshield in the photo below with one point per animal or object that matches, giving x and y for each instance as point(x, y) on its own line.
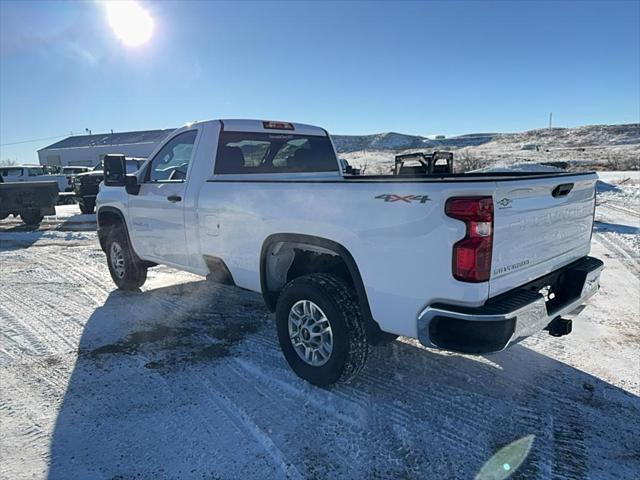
point(11, 172)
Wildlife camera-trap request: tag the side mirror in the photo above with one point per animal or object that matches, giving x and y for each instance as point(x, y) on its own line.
point(115, 170)
point(131, 185)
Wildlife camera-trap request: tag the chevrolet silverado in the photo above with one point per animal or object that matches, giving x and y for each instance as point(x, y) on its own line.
point(471, 263)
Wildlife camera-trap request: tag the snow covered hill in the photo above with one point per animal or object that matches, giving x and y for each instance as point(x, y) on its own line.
point(602, 147)
point(400, 141)
point(587, 136)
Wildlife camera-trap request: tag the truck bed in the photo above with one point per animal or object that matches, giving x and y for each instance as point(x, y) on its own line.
point(464, 177)
point(16, 197)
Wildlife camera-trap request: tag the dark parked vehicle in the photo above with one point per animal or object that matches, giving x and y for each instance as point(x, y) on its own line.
point(421, 163)
point(70, 172)
point(85, 185)
point(31, 200)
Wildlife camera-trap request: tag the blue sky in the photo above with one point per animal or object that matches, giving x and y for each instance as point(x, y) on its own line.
point(354, 68)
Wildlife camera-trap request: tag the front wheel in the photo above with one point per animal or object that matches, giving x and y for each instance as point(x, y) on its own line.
point(87, 206)
point(31, 217)
point(321, 330)
point(126, 270)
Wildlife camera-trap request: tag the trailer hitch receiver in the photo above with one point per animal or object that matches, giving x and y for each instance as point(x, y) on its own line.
point(559, 327)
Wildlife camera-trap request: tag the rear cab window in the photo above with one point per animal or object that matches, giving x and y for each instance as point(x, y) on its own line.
point(258, 152)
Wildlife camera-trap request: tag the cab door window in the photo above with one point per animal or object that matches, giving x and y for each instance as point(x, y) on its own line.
point(35, 172)
point(171, 163)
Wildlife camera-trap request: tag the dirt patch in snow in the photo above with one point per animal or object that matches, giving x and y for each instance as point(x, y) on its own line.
point(200, 338)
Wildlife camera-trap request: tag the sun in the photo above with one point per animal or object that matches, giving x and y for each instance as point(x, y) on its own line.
point(130, 22)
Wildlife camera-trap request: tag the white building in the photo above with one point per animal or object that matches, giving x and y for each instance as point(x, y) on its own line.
point(88, 150)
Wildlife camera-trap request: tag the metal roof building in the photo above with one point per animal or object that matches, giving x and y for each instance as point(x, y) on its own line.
point(88, 150)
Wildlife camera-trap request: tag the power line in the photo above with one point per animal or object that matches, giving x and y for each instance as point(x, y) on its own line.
point(35, 140)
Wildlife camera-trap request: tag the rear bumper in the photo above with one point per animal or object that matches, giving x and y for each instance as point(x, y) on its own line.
point(512, 316)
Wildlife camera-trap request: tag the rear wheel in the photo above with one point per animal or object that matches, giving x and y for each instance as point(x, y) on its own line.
point(321, 330)
point(31, 217)
point(127, 270)
point(87, 206)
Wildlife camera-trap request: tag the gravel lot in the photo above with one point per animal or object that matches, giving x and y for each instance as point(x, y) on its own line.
point(186, 380)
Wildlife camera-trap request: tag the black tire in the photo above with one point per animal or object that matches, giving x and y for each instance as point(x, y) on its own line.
point(339, 303)
point(31, 217)
point(133, 272)
point(87, 206)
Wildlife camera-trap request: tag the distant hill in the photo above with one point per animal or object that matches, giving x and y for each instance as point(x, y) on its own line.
point(587, 136)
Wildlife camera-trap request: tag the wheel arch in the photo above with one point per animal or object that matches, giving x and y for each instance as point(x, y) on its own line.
point(271, 297)
point(107, 217)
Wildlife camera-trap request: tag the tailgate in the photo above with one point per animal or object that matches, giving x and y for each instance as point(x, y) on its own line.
point(540, 225)
point(17, 196)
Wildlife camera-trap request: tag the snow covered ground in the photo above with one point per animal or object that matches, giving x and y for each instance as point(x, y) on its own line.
point(186, 380)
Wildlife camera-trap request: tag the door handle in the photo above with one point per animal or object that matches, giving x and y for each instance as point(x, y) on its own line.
point(174, 198)
point(562, 190)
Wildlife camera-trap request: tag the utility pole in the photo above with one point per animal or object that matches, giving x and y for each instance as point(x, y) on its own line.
point(550, 119)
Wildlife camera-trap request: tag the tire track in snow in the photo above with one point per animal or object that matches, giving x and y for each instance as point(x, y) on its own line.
point(19, 334)
point(320, 399)
point(263, 409)
point(619, 208)
point(32, 321)
point(90, 279)
point(220, 402)
point(30, 428)
point(233, 410)
point(627, 258)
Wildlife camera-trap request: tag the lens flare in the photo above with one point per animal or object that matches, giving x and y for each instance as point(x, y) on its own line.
point(130, 22)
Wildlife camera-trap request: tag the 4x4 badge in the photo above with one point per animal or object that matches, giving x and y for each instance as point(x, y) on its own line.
point(392, 197)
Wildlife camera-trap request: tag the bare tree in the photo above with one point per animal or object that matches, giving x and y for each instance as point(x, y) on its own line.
point(613, 163)
point(363, 167)
point(466, 161)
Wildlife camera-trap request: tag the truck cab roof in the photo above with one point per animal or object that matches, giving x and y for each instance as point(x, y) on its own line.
point(265, 126)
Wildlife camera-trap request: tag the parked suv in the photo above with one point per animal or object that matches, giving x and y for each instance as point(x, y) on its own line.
point(86, 185)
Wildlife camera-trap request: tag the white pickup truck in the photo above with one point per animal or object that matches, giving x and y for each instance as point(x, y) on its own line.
point(32, 173)
point(470, 263)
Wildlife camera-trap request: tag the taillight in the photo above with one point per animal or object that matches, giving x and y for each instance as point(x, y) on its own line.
point(277, 125)
point(472, 254)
